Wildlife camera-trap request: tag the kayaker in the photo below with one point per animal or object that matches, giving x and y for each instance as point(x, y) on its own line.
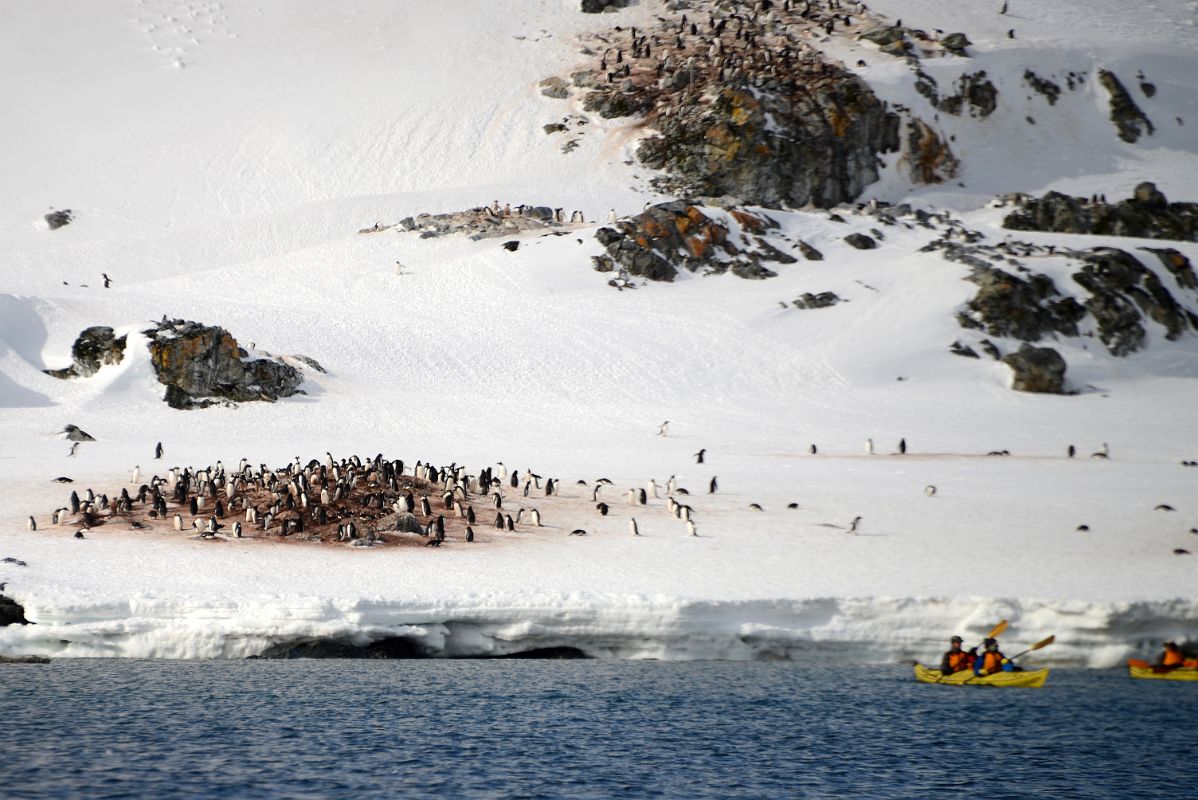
point(956, 659)
point(1171, 657)
point(992, 660)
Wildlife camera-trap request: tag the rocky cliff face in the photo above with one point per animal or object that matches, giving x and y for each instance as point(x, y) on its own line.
point(1147, 214)
point(201, 365)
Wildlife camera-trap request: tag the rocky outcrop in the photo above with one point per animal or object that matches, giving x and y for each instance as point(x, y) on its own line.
point(201, 365)
point(821, 300)
point(930, 158)
point(94, 348)
point(11, 613)
point(1146, 215)
point(1121, 289)
point(59, 219)
point(814, 143)
point(1130, 122)
point(956, 43)
point(1177, 264)
point(1028, 310)
point(657, 242)
point(860, 241)
point(1042, 86)
point(1037, 369)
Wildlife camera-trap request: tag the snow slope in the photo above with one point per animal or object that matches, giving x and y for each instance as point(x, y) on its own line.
point(220, 160)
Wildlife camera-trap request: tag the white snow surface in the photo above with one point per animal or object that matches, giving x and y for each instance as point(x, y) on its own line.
point(220, 158)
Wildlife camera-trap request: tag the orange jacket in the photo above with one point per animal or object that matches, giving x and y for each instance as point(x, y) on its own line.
point(1171, 658)
point(990, 662)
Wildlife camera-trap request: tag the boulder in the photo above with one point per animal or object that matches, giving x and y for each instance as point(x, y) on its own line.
point(599, 6)
point(406, 522)
point(1009, 306)
point(94, 348)
point(882, 34)
point(557, 88)
point(11, 613)
point(201, 365)
point(58, 219)
point(1148, 214)
point(809, 252)
point(1037, 369)
point(821, 300)
point(955, 43)
point(1177, 263)
point(959, 349)
point(860, 241)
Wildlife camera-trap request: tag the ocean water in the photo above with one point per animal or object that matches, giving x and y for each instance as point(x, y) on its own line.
point(580, 729)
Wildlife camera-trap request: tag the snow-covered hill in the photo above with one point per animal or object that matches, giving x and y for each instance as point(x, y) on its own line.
point(219, 161)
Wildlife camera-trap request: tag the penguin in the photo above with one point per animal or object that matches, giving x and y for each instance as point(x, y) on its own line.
point(755, 507)
point(426, 510)
point(136, 475)
point(237, 530)
point(79, 534)
point(595, 492)
point(1072, 451)
point(642, 497)
point(632, 497)
point(1161, 507)
point(441, 526)
point(929, 490)
point(869, 447)
point(1083, 527)
point(699, 455)
point(1104, 453)
point(793, 506)
point(690, 527)
point(711, 487)
point(536, 518)
point(158, 450)
point(652, 487)
point(663, 428)
point(511, 525)
point(469, 534)
point(470, 514)
point(632, 528)
point(671, 485)
point(902, 446)
point(602, 509)
point(578, 532)
point(853, 525)
point(813, 449)
point(550, 487)
point(496, 500)
point(178, 522)
point(498, 521)
point(31, 524)
point(193, 506)
point(74, 447)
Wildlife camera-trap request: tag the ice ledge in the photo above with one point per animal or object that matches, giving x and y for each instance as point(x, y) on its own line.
point(815, 630)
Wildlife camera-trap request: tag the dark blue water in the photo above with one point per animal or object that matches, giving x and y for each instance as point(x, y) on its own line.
point(581, 729)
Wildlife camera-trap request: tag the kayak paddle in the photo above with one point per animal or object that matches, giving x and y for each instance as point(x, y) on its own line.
point(1036, 646)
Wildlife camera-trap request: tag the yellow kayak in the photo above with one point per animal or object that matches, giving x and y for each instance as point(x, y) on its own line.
point(1145, 671)
point(1030, 677)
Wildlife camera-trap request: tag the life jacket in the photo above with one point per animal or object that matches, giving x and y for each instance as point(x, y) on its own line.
point(991, 662)
point(957, 661)
point(1171, 658)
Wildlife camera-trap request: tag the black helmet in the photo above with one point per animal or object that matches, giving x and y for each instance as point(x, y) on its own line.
point(956, 640)
point(990, 642)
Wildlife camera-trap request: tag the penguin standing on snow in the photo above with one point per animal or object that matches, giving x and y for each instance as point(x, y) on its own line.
point(32, 524)
point(469, 534)
point(632, 528)
point(853, 525)
point(158, 450)
point(711, 487)
point(903, 446)
point(699, 455)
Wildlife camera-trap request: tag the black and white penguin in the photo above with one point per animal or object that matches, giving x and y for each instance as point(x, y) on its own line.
point(497, 500)
point(642, 497)
point(79, 534)
point(511, 525)
point(469, 534)
point(792, 506)
point(470, 514)
point(853, 525)
point(663, 428)
point(813, 450)
point(690, 527)
point(711, 487)
point(426, 509)
point(237, 530)
point(498, 521)
point(699, 455)
point(632, 528)
point(602, 509)
point(869, 447)
point(193, 506)
point(755, 507)
point(178, 522)
point(578, 532)
point(902, 446)
point(929, 490)
point(1102, 454)
point(536, 518)
point(550, 487)
point(31, 524)
point(158, 450)
point(1072, 451)
point(595, 492)
point(441, 526)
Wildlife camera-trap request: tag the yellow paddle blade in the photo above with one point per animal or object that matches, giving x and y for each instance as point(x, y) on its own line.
point(997, 630)
point(1043, 643)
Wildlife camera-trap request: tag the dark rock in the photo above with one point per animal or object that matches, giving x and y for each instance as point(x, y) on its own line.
point(955, 43)
point(1037, 369)
point(407, 523)
point(990, 349)
point(860, 241)
point(201, 364)
point(598, 6)
point(664, 237)
point(814, 141)
point(24, 660)
point(821, 300)
point(1149, 89)
point(1177, 264)
point(975, 91)
point(897, 49)
point(881, 34)
point(959, 349)
point(11, 613)
point(310, 362)
point(511, 246)
point(1119, 285)
point(557, 88)
point(553, 127)
point(1130, 122)
point(58, 219)
point(93, 348)
point(809, 252)
point(611, 103)
point(1009, 306)
point(76, 434)
point(1146, 215)
point(931, 159)
point(1042, 86)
